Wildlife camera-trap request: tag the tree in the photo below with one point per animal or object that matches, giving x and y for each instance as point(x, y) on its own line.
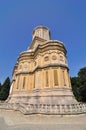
point(5, 89)
point(82, 77)
point(0, 86)
point(75, 82)
point(79, 85)
point(83, 93)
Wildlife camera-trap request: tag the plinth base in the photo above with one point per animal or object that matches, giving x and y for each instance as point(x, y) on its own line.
point(47, 101)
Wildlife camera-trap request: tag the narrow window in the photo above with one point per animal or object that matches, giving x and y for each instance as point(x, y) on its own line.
point(24, 79)
point(34, 82)
point(47, 80)
point(18, 82)
point(63, 73)
point(55, 78)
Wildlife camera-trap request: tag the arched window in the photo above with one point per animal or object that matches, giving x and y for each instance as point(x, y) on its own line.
point(63, 76)
point(55, 78)
point(24, 80)
point(47, 79)
point(18, 82)
point(34, 81)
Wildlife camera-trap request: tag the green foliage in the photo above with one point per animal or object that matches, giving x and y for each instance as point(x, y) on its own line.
point(83, 93)
point(82, 76)
point(75, 88)
point(4, 93)
point(79, 85)
point(0, 87)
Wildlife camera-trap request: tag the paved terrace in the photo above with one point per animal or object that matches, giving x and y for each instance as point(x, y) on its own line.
point(14, 120)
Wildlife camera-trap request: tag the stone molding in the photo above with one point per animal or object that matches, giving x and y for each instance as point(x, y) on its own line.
point(43, 67)
point(52, 44)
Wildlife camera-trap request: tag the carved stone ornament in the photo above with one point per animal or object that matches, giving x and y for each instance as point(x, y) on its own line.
point(35, 63)
point(25, 65)
point(54, 57)
point(20, 66)
point(61, 58)
point(46, 58)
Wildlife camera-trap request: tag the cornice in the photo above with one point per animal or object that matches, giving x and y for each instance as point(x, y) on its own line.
point(43, 67)
point(48, 45)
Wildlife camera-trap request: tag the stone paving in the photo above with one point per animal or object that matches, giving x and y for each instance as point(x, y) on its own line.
point(14, 120)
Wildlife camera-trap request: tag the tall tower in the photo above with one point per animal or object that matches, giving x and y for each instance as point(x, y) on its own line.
point(41, 32)
point(40, 80)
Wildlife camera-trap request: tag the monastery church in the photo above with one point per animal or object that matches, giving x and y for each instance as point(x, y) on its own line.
point(40, 79)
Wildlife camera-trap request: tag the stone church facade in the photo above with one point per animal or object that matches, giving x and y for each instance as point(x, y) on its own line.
point(40, 80)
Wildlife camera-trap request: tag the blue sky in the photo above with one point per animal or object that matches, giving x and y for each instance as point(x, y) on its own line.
point(65, 18)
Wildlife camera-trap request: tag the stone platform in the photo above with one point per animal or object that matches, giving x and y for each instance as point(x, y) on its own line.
point(48, 101)
point(15, 120)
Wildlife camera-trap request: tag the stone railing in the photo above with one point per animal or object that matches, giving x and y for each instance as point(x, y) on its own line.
point(46, 108)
